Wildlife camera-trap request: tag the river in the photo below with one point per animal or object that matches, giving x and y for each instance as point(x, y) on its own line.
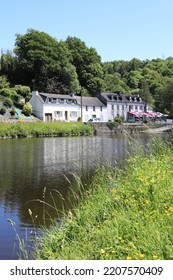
point(37, 170)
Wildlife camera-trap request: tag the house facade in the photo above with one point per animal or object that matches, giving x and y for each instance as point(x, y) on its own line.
point(119, 105)
point(55, 107)
point(104, 107)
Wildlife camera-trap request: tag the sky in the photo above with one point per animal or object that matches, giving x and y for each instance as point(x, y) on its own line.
point(117, 29)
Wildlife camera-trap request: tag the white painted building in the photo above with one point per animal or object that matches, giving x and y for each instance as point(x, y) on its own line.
point(56, 107)
point(119, 105)
point(92, 109)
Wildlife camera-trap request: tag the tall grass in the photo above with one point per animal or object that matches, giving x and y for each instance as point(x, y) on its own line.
point(126, 214)
point(44, 129)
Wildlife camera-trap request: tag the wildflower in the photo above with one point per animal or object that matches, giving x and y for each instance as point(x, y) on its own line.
point(155, 257)
point(113, 251)
point(102, 251)
point(129, 258)
point(113, 191)
point(142, 256)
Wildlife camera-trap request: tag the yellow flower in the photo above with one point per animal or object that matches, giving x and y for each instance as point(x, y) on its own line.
point(155, 257)
point(113, 251)
point(129, 258)
point(142, 256)
point(102, 251)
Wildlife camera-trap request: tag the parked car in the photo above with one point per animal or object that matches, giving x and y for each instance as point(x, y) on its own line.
point(94, 120)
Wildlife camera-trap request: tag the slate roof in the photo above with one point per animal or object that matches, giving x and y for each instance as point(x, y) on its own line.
point(90, 101)
point(43, 96)
point(119, 97)
point(114, 97)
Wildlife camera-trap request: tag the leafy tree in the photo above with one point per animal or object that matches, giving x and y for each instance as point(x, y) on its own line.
point(145, 93)
point(3, 82)
point(164, 97)
point(40, 58)
point(88, 65)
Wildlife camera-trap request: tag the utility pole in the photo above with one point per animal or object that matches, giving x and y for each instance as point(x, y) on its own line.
point(81, 104)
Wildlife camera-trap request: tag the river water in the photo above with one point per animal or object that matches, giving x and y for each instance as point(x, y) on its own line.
point(37, 170)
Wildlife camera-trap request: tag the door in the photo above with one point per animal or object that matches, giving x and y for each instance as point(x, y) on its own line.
point(48, 117)
point(66, 115)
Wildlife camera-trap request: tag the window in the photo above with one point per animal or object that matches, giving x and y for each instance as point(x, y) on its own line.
point(73, 114)
point(123, 107)
point(112, 107)
point(130, 108)
point(94, 108)
point(117, 107)
point(101, 108)
point(136, 108)
point(49, 100)
point(69, 101)
point(86, 108)
point(58, 114)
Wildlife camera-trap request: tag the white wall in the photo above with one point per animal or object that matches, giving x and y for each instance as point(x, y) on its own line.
point(65, 112)
point(37, 105)
point(97, 113)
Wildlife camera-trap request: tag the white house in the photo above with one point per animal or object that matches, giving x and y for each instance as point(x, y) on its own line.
point(57, 107)
point(92, 108)
point(119, 105)
point(106, 106)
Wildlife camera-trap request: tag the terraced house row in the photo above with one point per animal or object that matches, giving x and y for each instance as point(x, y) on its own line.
point(104, 107)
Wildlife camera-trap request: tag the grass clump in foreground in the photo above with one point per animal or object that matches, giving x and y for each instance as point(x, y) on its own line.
point(127, 214)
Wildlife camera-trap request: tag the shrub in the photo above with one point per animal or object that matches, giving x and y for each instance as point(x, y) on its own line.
point(7, 92)
point(13, 111)
point(3, 110)
point(8, 102)
point(27, 109)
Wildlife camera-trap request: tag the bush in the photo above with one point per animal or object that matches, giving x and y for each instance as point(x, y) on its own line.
point(3, 110)
point(7, 92)
point(13, 111)
point(8, 103)
point(27, 109)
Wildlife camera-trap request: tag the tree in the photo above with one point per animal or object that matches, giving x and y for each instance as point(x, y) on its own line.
point(145, 93)
point(3, 82)
point(40, 58)
point(87, 63)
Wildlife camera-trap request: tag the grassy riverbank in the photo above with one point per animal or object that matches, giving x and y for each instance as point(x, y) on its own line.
point(39, 129)
point(127, 214)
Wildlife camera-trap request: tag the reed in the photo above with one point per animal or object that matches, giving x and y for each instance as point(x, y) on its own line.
point(126, 213)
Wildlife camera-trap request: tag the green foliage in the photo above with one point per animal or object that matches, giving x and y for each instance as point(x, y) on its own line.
point(8, 103)
point(7, 92)
point(27, 109)
point(23, 91)
point(13, 111)
point(41, 62)
point(127, 214)
point(39, 129)
point(2, 110)
point(3, 82)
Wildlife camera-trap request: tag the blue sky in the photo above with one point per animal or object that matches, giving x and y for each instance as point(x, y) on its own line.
point(117, 29)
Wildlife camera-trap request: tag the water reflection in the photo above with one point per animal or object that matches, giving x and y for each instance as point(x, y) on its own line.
point(34, 170)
